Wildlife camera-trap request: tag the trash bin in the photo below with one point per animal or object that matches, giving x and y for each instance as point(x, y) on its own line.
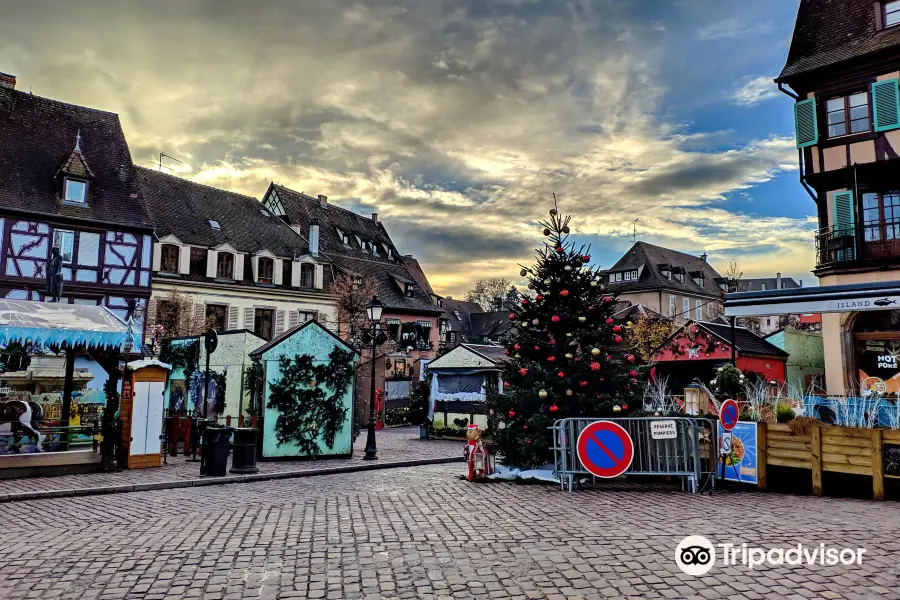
point(216, 440)
point(243, 457)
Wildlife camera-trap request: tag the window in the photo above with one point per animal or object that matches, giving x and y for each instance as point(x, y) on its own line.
point(65, 241)
point(198, 261)
point(225, 266)
point(264, 269)
point(215, 225)
point(307, 275)
point(617, 277)
point(891, 13)
point(848, 114)
point(343, 237)
point(286, 272)
point(410, 290)
point(627, 275)
point(686, 308)
point(263, 320)
point(698, 309)
point(75, 191)
point(762, 287)
point(217, 316)
point(881, 216)
point(671, 306)
point(169, 260)
point(768, 322)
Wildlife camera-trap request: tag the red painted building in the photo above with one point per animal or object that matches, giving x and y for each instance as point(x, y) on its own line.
point(698, 348)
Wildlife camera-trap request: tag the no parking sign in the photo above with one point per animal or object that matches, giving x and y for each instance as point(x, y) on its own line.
point(605, 449)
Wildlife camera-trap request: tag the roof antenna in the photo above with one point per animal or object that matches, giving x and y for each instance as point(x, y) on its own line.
point(555, 204)
point(634, 231)
point(162, 166)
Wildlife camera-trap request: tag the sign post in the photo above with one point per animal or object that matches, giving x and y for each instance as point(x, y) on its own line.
point(728, 418)
point(605, 449)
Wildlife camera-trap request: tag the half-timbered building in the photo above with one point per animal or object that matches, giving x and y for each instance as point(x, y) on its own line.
point(67, 182)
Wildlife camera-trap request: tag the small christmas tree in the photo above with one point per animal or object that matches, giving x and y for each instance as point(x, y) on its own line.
point(566, 353)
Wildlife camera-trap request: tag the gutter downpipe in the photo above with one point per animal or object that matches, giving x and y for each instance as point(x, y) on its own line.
point(806, 186)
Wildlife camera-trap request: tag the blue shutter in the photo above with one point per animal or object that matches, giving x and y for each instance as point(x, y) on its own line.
point(844, 218)
point(806, 123)
point(886, 100)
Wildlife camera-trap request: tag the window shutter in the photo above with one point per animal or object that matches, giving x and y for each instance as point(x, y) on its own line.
point(293, 319)
point(806, 123)
point(238, 267)
point(233, 318)
point(200, 315)
point(157, 256)
point(886, 100)
point(320, 276)
point(279, 322)
point(211, 258)
point(248, 319)
point(844, 219)
point(150, 315)
point(184, 260)
point(295, 274)
point(277, 271)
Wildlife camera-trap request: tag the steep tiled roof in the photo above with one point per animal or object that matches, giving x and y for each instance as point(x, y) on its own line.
point(770, 283)
point(459, 316)
point(415, 269)
point(647, 259)
point(184, 209)
point(829, 32)
point(490, 324)
point(387, 276)
point(37, 138)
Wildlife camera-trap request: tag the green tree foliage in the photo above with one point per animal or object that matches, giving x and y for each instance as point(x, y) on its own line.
point(310, 399)
point(567, 357)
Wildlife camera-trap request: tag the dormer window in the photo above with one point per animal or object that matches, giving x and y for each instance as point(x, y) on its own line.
point(225, 266)
point(892, 13)
point(360, 242)
point(307, 275)
point(410, 290)
point(265, 270)
point(75, 191)
point(169, 258)
point(342, 236)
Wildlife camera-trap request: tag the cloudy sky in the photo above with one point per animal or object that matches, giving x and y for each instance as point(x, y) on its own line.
point(457, 119)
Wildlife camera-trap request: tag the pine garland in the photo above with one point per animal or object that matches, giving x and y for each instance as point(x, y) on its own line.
point(310, 399)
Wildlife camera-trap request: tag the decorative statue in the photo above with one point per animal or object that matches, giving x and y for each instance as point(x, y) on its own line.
point(54, 276)
point(481, 463)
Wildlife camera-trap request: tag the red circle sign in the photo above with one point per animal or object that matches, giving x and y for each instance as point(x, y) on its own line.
point(605, 449)
point(728, 414)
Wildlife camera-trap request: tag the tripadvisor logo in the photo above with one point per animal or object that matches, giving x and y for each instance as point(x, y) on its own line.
point(696, 555)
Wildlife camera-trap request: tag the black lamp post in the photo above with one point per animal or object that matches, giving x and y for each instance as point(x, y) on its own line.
point(373, 311)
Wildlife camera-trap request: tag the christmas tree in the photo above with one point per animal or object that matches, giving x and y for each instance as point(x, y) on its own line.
point(566, 357)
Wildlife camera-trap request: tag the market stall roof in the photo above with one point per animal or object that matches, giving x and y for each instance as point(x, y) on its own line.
point(825, 299)
point(70, 325)
point(470, 356)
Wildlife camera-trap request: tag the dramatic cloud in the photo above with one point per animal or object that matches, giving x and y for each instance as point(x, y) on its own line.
point(755, 90)
point(733, 27)
point(454, 120)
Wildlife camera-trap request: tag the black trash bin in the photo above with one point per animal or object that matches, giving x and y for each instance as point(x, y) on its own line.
point(243, 458)
point(216, 440)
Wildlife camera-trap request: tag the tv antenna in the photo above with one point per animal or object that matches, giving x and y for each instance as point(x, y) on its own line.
point(634, 231)
point(162, 166)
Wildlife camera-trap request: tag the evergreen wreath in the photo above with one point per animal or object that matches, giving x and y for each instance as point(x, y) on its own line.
point(309, 399)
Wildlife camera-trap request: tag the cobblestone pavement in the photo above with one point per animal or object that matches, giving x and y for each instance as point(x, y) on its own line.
point(422, 533)
point(394, 445)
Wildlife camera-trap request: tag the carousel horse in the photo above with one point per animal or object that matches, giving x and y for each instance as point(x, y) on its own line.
point(22, 416)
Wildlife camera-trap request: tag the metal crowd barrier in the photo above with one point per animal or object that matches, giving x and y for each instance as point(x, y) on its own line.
point(692, 455)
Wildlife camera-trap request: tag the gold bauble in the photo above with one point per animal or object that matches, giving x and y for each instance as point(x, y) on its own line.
point(542, 394)
point(595, 351)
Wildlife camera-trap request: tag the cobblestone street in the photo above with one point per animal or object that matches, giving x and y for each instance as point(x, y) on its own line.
point(423, 533)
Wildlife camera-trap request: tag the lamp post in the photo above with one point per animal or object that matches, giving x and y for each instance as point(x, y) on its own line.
point(373, 311)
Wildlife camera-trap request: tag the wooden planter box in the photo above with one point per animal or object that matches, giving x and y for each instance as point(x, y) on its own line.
point(825, 448)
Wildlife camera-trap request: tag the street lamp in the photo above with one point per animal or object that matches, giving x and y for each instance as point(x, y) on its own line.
point(373, 311)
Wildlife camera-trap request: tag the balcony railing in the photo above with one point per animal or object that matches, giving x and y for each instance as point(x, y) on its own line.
point(869, 241)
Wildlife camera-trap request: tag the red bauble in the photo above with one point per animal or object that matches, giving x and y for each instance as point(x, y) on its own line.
point(506, 384)
point(539, 297)
point(512, 317)
point(551, 358)
point(527, 442)
point(603, 379)
point(609, 320)
point(595, 366)
point(512, 413)
point(629, 358)
point(523, 371)
point(546, 231)
point(559, 249)
point(524, 427)
point(524, 301)
point(617, 328)
point(607, 299)
point(552, 342)
point(564, 293)
point(624, 407)
point(537, 348)
point(561, 374)
point(586, 258)
point(555, 319)
point(632, 373)
point(583, 383)
point(553, 408)
point(517, 347)
point(618, 339)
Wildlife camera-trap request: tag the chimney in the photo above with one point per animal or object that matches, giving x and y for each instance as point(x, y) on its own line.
point(777, 281)
point(314, 236)
point(375, 217)
point(703, 257)
point(801, 283)
point(7, 81)
point(323, 200)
